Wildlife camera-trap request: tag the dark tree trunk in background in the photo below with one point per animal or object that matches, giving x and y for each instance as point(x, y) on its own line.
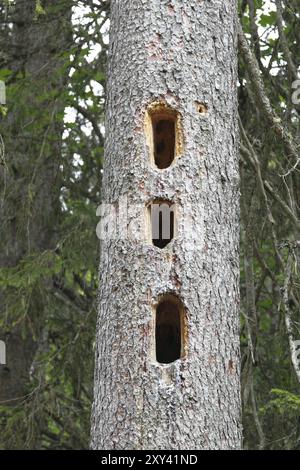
point(167, 362)
point(30, 178)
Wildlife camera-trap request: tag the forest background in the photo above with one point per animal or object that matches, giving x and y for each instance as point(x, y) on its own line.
point(53, 63)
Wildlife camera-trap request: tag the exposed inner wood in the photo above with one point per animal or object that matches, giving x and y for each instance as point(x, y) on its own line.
point(163, 131)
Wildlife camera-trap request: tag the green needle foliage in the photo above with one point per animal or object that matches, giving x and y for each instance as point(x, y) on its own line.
point(51, 154)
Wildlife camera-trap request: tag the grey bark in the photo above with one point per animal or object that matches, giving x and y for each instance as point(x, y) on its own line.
point(184, 54)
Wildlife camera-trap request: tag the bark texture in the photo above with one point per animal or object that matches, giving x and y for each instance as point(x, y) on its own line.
point(182, 53)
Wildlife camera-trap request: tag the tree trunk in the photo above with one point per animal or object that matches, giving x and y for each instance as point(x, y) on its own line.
point(167, 362)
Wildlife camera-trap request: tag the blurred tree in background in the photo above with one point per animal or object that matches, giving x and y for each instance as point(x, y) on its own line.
point(270, 310)
point(50, 176)
point(52, 59)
